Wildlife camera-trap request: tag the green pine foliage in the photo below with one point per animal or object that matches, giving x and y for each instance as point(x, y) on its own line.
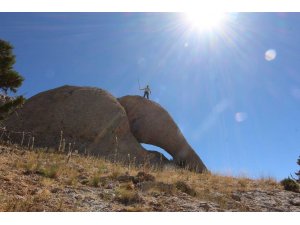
point(298, 173)
point(290, 185)
point(10, 80)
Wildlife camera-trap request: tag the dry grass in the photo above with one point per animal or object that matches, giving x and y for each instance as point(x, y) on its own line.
point(53, 166)
point(27, 203)
point(127, 196)
point(53, 170)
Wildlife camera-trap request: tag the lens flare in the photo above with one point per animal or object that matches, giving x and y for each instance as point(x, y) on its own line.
point(270, 54)
point(240, 116)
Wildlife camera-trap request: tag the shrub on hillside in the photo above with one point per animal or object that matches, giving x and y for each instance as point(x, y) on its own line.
point(290, 185)
point(127, 197)
point(184, 187)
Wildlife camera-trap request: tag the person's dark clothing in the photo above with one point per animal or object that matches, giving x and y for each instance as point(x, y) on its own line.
point(146, 94)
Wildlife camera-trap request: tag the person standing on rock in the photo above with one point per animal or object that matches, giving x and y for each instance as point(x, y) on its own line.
point(147, 91)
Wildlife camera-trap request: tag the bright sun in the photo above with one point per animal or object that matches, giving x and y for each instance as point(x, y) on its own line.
point(205, 20)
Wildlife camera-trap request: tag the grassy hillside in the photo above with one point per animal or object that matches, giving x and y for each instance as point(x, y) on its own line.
point(50, 181)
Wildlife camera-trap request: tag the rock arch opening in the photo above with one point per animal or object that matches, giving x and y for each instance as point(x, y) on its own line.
point(157, 149)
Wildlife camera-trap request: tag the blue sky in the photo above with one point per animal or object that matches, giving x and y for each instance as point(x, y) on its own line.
point(239, 111)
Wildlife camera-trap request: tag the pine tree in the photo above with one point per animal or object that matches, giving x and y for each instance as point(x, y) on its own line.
point(10, 80)
point(298, 173)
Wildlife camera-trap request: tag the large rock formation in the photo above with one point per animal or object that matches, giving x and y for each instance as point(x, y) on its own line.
point(151, 124)
point(92, 120)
